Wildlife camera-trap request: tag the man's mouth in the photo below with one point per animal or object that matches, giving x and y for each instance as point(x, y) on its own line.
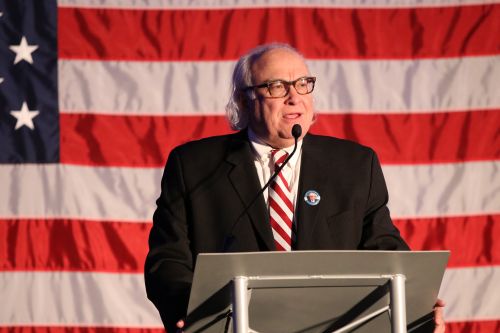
point(292, 115)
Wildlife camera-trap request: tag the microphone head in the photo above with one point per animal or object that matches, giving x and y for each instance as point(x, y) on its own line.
point(296, 131)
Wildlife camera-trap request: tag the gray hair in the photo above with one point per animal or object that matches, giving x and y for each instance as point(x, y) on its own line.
point(237, 108)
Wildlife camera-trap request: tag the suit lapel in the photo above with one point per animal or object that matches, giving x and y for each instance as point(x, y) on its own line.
point(313, 177)
point(245, 181)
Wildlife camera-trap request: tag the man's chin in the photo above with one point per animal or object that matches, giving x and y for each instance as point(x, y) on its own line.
point(283, 141)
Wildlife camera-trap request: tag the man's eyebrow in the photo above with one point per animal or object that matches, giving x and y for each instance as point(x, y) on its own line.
point(270, 80)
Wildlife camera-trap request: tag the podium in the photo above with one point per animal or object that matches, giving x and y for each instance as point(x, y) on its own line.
point(315, 291)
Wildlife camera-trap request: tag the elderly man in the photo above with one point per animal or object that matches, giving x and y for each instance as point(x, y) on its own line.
point(211, 199)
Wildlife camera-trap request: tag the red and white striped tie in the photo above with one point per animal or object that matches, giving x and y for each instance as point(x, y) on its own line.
point(281, 206)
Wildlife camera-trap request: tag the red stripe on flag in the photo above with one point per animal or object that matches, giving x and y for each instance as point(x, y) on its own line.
point(145, 141)
point(471, 239)
point(77, 245)
point(367, 33)
point(131, 140)
point(490, 326)
point(419, 138)
point(73, 245)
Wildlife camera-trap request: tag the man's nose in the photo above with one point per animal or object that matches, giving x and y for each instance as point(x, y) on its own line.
point(293, 97)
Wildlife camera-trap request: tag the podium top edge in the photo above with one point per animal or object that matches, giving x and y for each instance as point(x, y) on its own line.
point(326, 251)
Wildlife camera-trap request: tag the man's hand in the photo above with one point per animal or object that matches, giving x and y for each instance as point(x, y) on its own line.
point(180, 325)
point(438, 316)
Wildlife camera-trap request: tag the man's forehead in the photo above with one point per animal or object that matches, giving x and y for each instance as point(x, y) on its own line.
point(279, 63)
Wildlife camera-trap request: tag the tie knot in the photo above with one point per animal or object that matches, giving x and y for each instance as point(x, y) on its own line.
point(278, 156)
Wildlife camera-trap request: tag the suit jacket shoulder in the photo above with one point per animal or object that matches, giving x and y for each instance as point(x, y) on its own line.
point(341, 148)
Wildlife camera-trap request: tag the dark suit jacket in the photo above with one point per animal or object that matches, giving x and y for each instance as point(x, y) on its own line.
point(208, 183)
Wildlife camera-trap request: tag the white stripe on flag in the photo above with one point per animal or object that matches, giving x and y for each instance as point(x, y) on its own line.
point(61, 191)
point(471, 293)
point(61, 298)
point(359, 86)
point(452, 189)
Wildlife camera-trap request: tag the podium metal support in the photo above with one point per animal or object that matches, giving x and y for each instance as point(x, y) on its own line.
point(240, 304)
point(361, 320)
point(397, 307)
point(398, 303)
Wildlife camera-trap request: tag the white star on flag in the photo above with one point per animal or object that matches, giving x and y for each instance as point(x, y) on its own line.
point(23, 51)
point(25, 117)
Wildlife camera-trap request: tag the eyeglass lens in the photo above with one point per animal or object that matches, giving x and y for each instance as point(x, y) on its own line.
point(281, 88)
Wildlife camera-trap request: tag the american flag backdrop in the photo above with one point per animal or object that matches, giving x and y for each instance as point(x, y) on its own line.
point(95, 93)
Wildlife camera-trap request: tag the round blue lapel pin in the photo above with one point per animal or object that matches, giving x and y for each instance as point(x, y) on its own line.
point(312, 198)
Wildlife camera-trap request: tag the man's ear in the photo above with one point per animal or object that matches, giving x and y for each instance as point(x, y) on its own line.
point(315, 116)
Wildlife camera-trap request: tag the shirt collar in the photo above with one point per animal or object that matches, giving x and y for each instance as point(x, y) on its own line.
point(262, 151)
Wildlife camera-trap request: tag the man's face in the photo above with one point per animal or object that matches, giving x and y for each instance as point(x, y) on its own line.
point(312, 197)
point(273, 118)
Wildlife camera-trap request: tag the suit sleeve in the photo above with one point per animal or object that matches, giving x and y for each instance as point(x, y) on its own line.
point(379, 233)
point(169, 263)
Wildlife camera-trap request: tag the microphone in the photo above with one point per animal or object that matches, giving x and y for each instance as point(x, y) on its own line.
point(296, 133)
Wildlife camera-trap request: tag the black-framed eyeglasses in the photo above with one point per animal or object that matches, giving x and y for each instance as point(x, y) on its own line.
point(280, 88)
